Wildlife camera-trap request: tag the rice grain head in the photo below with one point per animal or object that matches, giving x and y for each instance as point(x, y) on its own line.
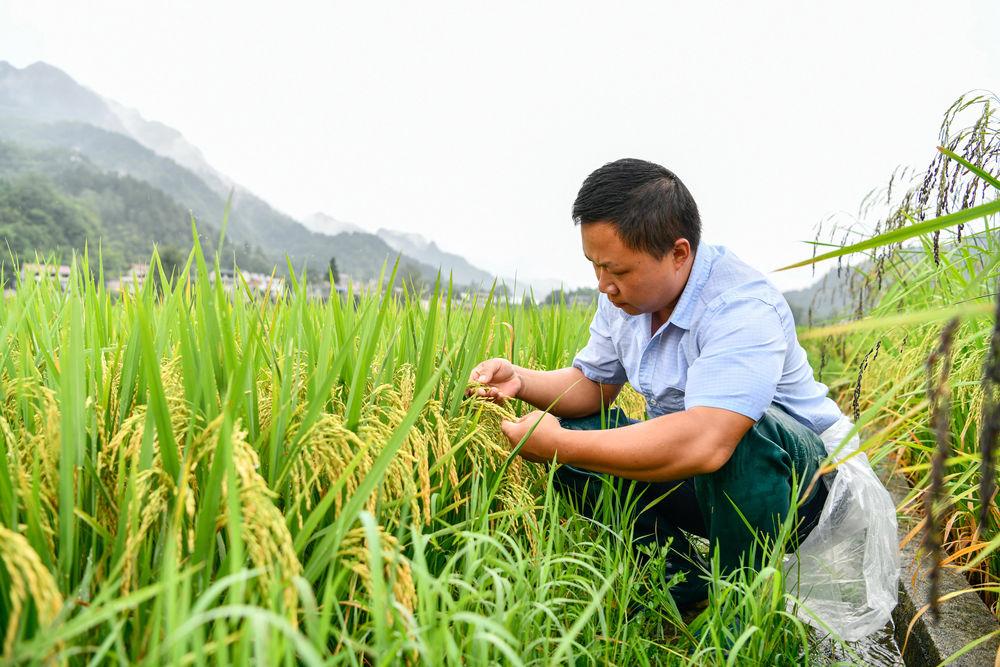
point(29, 580)
point(631, 402)
point(353, 554)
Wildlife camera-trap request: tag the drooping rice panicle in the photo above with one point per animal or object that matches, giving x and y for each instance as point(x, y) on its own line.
point(30, 582)
point(939, 398)
point(990, 421)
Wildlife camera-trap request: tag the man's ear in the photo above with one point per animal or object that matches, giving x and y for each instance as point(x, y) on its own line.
point(681, 252)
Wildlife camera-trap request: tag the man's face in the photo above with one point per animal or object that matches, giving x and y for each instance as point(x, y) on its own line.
point(633, 280)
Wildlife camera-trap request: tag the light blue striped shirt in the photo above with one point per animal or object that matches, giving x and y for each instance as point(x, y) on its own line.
point(729, 343)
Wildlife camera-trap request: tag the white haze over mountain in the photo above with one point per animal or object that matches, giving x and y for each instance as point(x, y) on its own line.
point(326, 224)
point(44, 93)
point(404, 241)
point(170, 143)
point(49, 94)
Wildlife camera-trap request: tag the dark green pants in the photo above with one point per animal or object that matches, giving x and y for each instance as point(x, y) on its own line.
point(756, 483)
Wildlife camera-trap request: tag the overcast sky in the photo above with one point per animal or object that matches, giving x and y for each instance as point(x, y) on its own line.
point(474, 124)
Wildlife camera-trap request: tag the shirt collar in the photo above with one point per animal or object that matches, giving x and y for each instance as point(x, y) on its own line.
point(700, 270)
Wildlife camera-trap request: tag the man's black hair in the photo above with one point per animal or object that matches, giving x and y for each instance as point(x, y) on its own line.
point(650, 207)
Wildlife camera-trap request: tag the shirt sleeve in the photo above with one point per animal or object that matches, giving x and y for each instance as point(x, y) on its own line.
point(741, 360)
point(599, 360)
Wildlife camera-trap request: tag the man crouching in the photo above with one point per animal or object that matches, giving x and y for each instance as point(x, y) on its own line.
point(735, 414)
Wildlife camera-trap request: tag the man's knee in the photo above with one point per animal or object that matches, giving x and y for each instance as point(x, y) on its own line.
point(753, 490)
point(776, 445)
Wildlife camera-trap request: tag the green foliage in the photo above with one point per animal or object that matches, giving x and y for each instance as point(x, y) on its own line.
point(203, 477)
point(53, 202)
point(34, 216)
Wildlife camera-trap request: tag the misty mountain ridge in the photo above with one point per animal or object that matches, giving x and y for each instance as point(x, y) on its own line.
point(327, 224)
point(42, 107)
point(428, 252)
point(43, 93)
point(404, 241)
point(168, 142)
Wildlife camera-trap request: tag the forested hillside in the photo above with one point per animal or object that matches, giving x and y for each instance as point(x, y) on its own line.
point(55, 201)
point(263, 235)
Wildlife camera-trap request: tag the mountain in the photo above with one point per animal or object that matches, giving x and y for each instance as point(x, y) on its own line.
point(56, 201)
point(129, 190)
point(428, 252)
point(42, 108)
point(42, 93)
point(168, 142)
point(47, 94)
point(407, 241)
point(827, 299)
point(325, 224)
point(421, 249)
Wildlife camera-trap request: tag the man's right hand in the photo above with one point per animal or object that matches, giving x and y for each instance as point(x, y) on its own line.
point(500, 376)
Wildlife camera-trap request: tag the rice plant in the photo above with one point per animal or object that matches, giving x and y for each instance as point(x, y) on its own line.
point(934, 427)
point(189, 476)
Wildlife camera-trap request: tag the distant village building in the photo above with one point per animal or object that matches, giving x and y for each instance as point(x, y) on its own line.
point(258, 283)
point(39, 272)
point(133, 278)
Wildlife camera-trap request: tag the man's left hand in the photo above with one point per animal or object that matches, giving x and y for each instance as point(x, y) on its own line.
point(541, 445)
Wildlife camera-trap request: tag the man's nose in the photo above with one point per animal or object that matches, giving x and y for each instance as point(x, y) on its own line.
point(604, 285)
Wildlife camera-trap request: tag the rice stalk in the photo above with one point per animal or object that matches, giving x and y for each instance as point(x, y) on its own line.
point(939, 398)
point(265, 533)
point(36, 451)
point(990, 421)
point(856, 400)
point(632, 403)
point(330, 447)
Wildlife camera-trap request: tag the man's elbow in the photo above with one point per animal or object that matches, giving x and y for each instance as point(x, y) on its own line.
point(710, 454)
point(719, 432)
point(587, 397)
point(713, 461)
point(701, 461)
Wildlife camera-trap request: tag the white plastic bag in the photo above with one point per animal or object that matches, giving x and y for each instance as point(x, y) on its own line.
point(846, 572)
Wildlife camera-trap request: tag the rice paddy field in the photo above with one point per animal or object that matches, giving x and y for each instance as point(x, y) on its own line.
point(191, 477)
point(198, 478)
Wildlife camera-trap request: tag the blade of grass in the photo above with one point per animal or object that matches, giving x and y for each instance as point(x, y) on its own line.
point(906, 233)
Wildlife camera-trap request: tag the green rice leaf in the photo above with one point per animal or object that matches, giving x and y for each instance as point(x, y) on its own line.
point(906, 233)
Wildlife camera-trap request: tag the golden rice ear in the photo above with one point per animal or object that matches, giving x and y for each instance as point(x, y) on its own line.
point(29, 580)
point(353, 555)
point(631, 402)
point(265, 532)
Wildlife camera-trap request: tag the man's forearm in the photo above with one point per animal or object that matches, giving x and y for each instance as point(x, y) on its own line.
point(577, 395)
point(670, 447)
